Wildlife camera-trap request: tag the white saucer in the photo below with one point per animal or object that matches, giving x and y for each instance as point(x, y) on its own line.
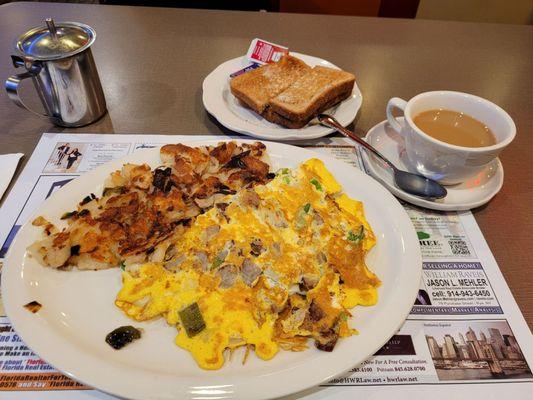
point(465, 196)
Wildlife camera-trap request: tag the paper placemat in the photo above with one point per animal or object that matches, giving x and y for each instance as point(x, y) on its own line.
point(465, 335)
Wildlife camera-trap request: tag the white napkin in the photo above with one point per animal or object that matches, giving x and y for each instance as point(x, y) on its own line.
point(8, 165)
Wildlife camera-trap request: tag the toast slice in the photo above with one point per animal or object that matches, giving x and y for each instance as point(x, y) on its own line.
point(272, 116)
point(313, 93)
point(257, 87)
point(278, 119)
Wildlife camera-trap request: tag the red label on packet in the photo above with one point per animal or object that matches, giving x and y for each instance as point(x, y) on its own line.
point(264, 52)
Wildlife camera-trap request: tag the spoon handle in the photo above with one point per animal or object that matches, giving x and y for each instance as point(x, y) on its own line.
point(331, 122)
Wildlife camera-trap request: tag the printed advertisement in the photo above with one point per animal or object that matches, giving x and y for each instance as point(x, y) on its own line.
point(76, 157)
point(441, 235)
point(455, 288)
point(444, 350)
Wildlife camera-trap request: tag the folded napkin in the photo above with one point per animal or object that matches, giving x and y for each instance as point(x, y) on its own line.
point(8, 165)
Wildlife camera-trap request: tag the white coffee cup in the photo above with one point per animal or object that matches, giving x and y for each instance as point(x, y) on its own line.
point(447, 163)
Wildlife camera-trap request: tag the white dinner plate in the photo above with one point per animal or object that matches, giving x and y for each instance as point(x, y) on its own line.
point(220, 103)
point(474, 192)
point(78, 308)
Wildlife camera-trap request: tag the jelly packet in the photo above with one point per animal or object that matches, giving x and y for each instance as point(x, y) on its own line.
point(263, 52)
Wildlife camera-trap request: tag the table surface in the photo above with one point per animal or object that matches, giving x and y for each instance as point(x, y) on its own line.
point(152, 62)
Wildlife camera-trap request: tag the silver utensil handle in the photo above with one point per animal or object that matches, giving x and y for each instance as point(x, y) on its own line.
point(12, 88)
point(332, 123)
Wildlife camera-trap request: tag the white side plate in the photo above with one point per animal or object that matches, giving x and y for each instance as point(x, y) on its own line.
point(220, 103)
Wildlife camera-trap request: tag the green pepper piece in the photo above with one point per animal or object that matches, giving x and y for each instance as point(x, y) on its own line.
point(217, 262)
point(300, 220)
point(343, 316)
point(316, 184)
point(192, 320)
point(357, 237)
point(122, 336)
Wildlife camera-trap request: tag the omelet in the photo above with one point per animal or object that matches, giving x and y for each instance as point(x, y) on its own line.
point(271, 267)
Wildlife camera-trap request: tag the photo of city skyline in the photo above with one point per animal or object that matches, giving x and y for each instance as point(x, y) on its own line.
point(465, 350)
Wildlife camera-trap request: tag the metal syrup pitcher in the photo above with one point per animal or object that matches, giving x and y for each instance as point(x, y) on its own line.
point(58, 59)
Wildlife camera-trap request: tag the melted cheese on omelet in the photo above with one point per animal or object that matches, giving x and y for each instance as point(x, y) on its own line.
point(229, 322)
point(276, 265)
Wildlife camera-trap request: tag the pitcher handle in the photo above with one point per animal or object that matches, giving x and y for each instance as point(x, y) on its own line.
point(12, 87)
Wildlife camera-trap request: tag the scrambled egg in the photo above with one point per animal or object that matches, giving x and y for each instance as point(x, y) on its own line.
point(269, 268)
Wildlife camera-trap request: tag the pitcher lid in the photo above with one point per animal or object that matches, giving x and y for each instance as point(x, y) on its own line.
point(55, 40)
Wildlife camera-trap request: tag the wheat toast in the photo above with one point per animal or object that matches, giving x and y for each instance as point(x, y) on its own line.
point(312, 93)
point(257, 87)
point(274, 117)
